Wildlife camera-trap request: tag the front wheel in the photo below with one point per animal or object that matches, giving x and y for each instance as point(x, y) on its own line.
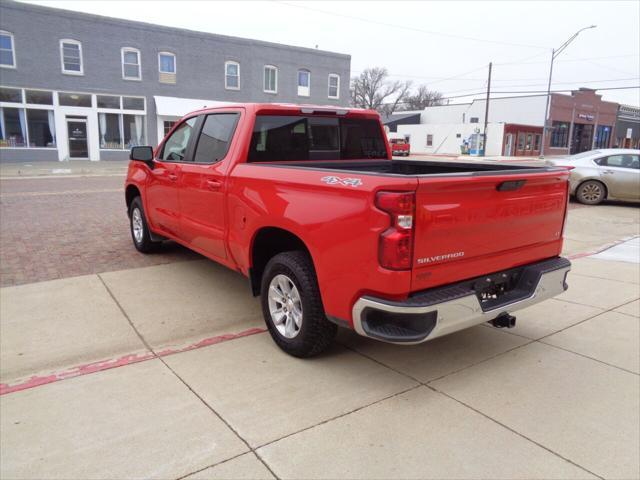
point(292, 306)
point(591, 192)
point(139, 228)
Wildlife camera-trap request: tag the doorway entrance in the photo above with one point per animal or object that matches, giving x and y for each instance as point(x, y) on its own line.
point(582, 138)
point(77, 134)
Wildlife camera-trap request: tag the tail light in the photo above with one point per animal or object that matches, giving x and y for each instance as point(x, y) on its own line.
point(396, 243)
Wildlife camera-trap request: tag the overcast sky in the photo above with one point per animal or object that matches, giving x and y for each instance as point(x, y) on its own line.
point(430, 42)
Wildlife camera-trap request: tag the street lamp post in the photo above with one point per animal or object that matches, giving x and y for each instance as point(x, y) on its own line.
point(554, 53)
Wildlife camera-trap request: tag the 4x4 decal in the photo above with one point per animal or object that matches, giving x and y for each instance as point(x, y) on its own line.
point(351, 182)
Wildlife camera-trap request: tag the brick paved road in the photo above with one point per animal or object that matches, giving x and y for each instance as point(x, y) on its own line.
point(61, 227)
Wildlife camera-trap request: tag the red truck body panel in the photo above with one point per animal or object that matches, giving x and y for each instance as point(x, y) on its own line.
point(218, 209)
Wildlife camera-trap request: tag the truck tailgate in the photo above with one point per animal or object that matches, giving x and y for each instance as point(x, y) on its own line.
point(468, 226)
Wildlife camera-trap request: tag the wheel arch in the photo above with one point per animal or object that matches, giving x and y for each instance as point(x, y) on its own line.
point(132, 191)
point(267, 242)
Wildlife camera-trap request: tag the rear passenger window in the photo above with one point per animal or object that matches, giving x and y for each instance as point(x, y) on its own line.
point(622, 161)
point(175, 148)
point(282, 138)
point(216, 134)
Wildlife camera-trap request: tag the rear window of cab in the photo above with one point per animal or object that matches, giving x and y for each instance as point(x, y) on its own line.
point(299, 137)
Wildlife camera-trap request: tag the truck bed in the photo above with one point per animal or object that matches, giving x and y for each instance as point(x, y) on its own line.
point(412, 167)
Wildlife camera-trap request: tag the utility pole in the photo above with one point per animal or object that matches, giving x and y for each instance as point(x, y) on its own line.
point(554, 53)
point(486, 114)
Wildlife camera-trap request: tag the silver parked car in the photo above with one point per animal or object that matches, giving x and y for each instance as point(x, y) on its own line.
point(612, 173)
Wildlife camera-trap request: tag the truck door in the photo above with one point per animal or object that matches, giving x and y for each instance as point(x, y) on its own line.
point(162, 206)
point(202, 186)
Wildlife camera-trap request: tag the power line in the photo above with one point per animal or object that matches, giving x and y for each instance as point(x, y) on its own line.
point(413, 29)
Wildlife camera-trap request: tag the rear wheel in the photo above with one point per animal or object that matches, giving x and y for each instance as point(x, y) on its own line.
point(292, 306)
point(139, 228)
point(591, 192)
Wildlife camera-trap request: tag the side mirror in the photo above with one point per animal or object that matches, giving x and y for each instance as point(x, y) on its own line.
point(141, 154)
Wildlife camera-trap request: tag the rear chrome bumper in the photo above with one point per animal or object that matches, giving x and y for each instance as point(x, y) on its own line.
point(443, 310)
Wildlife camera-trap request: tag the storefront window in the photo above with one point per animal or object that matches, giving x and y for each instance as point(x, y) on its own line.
point(108, 101)
point(132, 103)
point(133, 130)
point(13, 127)
point(11, 95)
point(39, 97)
point(110, 136)
point(42, 129)
point(603, 134)
point(537, 144)
point(559, 134)
point(74, 99)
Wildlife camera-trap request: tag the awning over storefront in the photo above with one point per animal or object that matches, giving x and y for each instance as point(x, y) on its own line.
point(178, 107)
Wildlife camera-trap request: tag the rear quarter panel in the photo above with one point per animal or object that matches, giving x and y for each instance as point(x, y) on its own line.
point(338, 223)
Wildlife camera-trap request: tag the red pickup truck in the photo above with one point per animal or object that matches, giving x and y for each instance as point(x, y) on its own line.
point(306, 202)
point(400, 147)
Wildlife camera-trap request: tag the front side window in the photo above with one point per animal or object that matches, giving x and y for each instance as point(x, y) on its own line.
point(334, 86)
point(232, 76)
point(175, 147)
point(559, 134)
point(131, 64)
point(167, 62)
point(270, 79)
point(298, 137)
point(7, 50)
point(71, 57)
point(304, 83)
point(215, 137)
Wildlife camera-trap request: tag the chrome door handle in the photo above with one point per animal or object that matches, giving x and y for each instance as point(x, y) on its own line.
point(173, 177)
point(608, 171)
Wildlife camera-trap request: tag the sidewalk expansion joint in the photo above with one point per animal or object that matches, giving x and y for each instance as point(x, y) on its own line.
point(196, 394)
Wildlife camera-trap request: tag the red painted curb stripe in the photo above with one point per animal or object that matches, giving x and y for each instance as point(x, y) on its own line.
point(601, 249)
point(94, 367)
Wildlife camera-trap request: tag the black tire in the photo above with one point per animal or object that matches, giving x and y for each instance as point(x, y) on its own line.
point(143, 243)
point(591, 192)
point(315, 333)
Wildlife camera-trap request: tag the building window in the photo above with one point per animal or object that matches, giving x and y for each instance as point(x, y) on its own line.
point(232, 75)
point(71, 57)
point(167, 62)
point(537, 144)
point(167, 125)
point(132, 103)
point(13, 95)
point(131, 64)
point(334, 85)
point(74, 99)
point(603, 134)
point(20, 127)
point(108, 101)
point(429, 140)
point(304, 83)
point(270, 79)
point(7, 50)
point(559, 134)
point(118, 131)
point(41, 127)
point(39, 97)
point(14, 131)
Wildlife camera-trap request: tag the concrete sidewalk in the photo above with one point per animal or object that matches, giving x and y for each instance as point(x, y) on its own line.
point(166, 372)
point(63, 169)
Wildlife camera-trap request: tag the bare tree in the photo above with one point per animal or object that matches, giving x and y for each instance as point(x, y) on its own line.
point(422, 98)
point(372, 89)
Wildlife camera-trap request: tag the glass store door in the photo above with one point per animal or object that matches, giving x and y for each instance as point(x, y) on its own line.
point(77, 132)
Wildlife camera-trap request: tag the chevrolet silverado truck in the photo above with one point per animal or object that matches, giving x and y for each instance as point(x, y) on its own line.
point(307, 203)
point(399, 147)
